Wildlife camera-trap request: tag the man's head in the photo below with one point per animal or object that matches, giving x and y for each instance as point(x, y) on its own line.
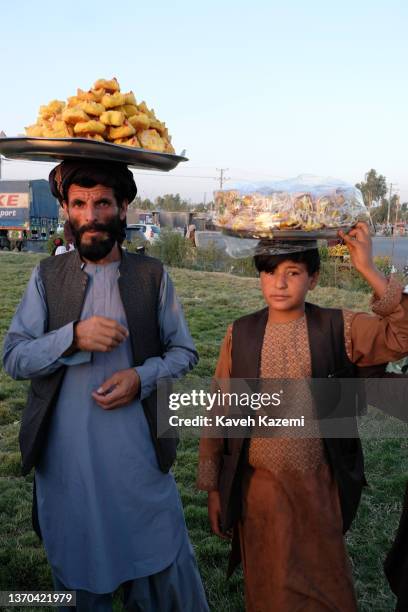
point(94, 196)
point(286, 278)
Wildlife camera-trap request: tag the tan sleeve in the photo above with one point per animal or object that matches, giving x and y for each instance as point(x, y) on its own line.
point(224, 363)
point(210, 451)
point(372, 339)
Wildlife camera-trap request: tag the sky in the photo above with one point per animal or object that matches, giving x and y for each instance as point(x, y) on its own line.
point(263, 89)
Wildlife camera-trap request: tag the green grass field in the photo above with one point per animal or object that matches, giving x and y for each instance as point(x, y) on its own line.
point(211, 301)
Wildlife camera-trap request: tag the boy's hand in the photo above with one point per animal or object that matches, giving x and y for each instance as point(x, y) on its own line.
point(214, 514)
point(360, 247)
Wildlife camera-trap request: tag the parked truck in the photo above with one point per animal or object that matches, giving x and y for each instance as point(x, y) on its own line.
point(28, 214)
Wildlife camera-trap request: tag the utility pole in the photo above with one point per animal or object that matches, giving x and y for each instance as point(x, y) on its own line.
point(389, 205)
point(397, 207)
point(222, 178)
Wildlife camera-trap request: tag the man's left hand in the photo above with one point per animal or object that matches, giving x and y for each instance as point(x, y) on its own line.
point(119, 390)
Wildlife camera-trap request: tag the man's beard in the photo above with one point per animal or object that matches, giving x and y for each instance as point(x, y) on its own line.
point(98, 247)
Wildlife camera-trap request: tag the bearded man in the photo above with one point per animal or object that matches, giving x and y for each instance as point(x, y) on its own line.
point(96, 328)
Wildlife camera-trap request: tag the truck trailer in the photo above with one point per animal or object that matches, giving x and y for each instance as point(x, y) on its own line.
point(28, 214)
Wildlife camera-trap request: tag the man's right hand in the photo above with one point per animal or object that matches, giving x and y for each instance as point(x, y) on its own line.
point(98, 334)
point(214, 514)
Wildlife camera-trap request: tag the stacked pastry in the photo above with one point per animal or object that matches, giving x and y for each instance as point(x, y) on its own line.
point(106, 114)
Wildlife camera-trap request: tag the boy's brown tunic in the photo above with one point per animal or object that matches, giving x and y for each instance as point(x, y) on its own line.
point(292, 546)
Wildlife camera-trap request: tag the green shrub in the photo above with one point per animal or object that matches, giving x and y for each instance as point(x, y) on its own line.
point(334, 273)
point(172, 249)
point(383, 263)
point(324, 253)
point(211, 259)
point(135, 243)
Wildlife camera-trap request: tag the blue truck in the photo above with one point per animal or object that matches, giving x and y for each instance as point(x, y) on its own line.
point(28, 214)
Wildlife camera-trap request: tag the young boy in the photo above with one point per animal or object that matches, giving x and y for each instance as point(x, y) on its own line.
point(287, 500)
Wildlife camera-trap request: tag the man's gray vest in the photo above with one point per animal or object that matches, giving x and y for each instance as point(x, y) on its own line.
point(65, 285)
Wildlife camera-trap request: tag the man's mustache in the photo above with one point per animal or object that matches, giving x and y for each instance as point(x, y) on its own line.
point(98, 227)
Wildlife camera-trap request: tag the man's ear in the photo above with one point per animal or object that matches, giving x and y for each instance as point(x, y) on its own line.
point(123, 210)
point(314, 279)
point(65, 209)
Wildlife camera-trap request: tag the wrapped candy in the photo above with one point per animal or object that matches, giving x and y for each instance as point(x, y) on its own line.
point(304, 208)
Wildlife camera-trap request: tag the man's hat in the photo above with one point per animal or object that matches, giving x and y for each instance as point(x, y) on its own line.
point(77, 171)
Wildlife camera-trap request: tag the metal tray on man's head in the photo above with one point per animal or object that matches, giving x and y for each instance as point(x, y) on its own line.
point(60, 149)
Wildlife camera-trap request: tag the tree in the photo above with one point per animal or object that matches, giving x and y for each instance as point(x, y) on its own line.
point(374, 188)
point(199, 208)
point(169, 201)
point(380, 213)
point(172, 202)
point(139, 204)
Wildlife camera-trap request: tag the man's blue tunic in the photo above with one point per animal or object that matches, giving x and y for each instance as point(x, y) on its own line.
point(106, 511)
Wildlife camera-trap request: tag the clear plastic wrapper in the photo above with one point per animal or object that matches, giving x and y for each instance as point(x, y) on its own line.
point(238, 247)
point(303, 208)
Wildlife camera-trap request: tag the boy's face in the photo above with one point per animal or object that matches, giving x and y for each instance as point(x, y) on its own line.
point(286, 287)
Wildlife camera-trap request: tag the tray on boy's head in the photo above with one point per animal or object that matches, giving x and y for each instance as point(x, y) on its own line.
point(276, 234)
point(59, 149)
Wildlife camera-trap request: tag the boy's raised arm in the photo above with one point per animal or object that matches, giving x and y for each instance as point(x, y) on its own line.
point(373, 339)
point(360, 247)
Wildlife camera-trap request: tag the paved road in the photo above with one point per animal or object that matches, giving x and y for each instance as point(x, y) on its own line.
point(397, 248)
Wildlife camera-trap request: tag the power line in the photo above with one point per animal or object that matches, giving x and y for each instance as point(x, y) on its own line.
point(165, 175)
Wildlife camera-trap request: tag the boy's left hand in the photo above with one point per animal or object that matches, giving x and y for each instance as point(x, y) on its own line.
point(360, 247)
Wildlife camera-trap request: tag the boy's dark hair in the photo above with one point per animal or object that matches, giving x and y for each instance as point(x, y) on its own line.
point(309, 257)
